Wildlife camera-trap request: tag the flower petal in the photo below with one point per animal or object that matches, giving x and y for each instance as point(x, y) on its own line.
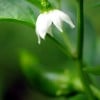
point(65, 17)
point(54, 16)
point(42, 25)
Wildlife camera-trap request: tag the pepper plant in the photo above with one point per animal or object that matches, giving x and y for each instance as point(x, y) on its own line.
point(66, 28)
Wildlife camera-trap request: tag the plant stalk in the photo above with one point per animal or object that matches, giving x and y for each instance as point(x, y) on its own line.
point(82, 74)
point(80, 29)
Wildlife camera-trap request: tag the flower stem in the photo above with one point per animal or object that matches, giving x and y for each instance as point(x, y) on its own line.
point(68, 45)
point(59, 4)
point(80, 29)
point(82, 74)
point(45, 5)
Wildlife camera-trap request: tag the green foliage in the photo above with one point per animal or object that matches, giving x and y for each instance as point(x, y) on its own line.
point(97, 4)
point(45, 67)
point(93, 70)
point(17, 10)
point(35, 2)
point(57, 83)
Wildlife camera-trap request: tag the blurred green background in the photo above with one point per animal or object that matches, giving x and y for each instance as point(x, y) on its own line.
point(15, 38)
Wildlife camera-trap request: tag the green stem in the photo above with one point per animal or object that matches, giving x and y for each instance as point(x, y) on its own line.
point(80, 29)
point(82, 74)
point(96, 91)
point(85, 82)
point(68, 45)
point(45, 5)
point(59, 4)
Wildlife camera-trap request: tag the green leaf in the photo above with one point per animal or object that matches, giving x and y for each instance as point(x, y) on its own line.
point(35, 2)
point(17, 10)
point(97, 4)
point(28, 63)
point(79, 97)
point(93, 70)
point(89, 42)
point(53, 83)
point(97, 55)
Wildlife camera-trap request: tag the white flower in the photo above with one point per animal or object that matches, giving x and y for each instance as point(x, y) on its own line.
point(46, 19)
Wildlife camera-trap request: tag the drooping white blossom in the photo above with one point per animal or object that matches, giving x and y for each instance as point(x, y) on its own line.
point(46, 19)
